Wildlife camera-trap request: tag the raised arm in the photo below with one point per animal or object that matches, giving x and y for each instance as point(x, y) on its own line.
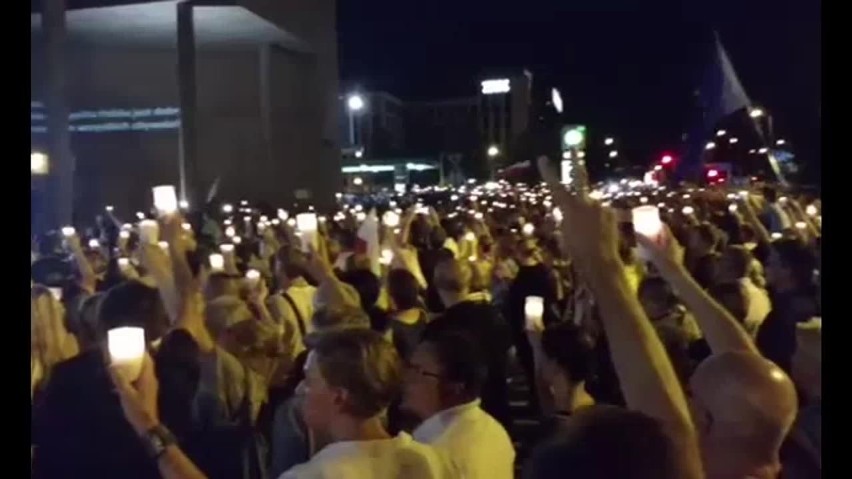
point(721, 330)
point(88, 279)
point(645, 372)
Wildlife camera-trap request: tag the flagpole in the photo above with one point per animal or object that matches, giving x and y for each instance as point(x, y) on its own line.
point(773, 162)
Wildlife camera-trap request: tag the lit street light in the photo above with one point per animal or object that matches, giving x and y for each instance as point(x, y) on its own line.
point(710, 145)
point(39, 163)
point(755, 113)
point(609, 141)
point(354, 104)
point(493, 151)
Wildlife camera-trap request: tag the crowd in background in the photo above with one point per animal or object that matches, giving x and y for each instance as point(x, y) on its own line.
point(388, 342)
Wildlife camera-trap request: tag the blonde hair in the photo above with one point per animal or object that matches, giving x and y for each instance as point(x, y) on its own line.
point(50, 341)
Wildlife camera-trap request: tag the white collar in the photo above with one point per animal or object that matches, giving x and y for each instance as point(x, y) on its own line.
point(431, 428)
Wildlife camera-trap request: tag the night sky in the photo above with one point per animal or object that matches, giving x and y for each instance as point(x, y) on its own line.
point(621, 67)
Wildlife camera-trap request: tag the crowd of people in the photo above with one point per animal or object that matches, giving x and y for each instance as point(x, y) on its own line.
point(383, 341)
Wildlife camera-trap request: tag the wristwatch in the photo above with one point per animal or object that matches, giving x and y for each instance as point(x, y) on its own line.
point(157, 439)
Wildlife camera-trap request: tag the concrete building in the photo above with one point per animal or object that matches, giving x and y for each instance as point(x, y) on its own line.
point(188, 92)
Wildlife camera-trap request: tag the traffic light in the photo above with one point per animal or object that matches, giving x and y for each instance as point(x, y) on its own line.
point(573, 137)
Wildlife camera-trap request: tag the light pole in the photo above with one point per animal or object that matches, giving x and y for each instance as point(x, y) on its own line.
point(354, 104)
point(493, 152)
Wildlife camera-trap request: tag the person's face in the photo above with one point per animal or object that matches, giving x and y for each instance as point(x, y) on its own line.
point(422, 383)
point(320, 401)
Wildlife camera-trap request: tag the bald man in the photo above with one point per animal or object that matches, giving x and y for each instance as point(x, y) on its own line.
point(743, 406)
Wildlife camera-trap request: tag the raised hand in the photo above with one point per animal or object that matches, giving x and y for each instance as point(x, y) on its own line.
point(664, 251)
point(138, 399)
point(588, 229)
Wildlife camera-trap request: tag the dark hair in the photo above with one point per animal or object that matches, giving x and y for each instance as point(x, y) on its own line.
point(606, 442)
point(461, 359)
point(733, 298)
point(134, 304)
point(659, 290)
point(363, 363)
point(799, 259)
point(403, 289)
point(291, 261)
point(571, 349)
point(739, 259)
point(708, 233)
point(769, 193)
point(366, 284)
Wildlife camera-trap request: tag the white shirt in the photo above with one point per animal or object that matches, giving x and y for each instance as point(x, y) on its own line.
point(759, 305)
point(395, 458)
point(474, 443)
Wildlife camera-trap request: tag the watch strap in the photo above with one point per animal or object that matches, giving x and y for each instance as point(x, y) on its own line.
point(157, 440)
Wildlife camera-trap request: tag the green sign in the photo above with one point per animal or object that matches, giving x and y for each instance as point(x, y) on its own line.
point(573, 137)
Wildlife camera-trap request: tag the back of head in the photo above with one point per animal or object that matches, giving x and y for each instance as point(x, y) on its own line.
point(136, 305)
point(291, 262)
point(461, 360)
point(570, 348)
point(748, 401)
point(606, 442)
point(367, 285)
point(403, 289)
point(225, 312)
point(340, 317)
point(221, 284)
point(364, 364)
point(769, 193)
point(799, 259)
point(453, 276)
point(736, 262)
point(732, 296)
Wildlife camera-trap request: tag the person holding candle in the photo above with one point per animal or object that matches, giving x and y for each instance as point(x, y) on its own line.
point(80, 417)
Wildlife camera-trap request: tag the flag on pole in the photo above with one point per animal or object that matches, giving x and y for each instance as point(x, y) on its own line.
point(720, 94)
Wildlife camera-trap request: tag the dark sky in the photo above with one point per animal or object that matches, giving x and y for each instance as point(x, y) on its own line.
point(627, 66)
point(617, 64)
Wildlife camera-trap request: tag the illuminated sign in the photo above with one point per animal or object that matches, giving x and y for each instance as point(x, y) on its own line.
point(385, 168)
point(573, 137)
point(493, 87)
point(556, 99)
point(110, 120)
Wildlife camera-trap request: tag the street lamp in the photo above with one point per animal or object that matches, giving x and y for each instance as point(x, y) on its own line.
point(39, 164)
point(354, 103)
point(493, 151)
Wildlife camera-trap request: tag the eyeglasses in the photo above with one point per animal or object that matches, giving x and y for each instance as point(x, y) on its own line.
point(409, 367)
